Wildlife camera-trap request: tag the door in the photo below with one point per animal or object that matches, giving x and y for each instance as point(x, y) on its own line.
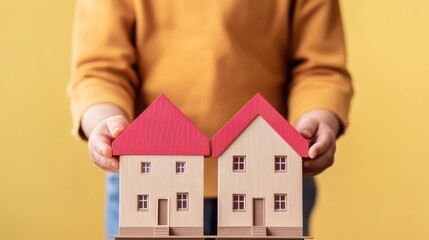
point(258, 212)
point(162, 212)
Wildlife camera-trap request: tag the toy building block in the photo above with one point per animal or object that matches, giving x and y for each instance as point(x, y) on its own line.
point(161, 174)
point(260, 174)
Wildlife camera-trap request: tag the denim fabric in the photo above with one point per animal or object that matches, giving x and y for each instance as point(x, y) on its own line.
point(210, 206)
point(210, 216)
point(309, 193)
point(112, 205)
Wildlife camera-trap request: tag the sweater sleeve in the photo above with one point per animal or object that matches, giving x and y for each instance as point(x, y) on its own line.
point(320, 79)
point(103, 58)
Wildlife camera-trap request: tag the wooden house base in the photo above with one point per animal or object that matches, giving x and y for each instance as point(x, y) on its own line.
point(119, 237)
point(260, 231)
point(161, 231)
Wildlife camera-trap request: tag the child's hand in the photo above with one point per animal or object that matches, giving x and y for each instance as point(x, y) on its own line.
point(321, 128)
point(100, 142)
point(102, 123)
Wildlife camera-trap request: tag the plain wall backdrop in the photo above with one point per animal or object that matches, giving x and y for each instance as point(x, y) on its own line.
point(377, 189)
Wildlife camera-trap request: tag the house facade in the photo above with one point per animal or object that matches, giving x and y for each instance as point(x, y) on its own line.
point(260, 173)
point(161, 173)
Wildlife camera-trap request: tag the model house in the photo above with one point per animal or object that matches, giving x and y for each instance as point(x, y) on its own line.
point(260, 173)
point(161, 173)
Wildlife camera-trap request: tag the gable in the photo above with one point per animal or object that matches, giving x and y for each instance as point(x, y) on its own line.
point(259, 139)
point(258, 106)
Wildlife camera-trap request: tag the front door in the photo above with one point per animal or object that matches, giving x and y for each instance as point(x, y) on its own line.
point(258, 212)
point(162, 212)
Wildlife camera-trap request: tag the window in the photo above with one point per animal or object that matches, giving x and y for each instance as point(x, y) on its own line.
point(180, 167)
point(145, 168)
point(142, 202)
point(280, 163)
point(182, 201)
point(280, 202)
point(239, 163)
point(239, 202)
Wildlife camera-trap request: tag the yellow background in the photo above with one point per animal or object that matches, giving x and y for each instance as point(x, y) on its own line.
point(378, 188)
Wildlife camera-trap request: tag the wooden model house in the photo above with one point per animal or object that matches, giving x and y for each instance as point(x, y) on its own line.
point(260, 173)
point(161, 173)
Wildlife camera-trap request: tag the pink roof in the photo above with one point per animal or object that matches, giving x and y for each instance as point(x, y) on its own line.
point(258, 106)
point(162, 129)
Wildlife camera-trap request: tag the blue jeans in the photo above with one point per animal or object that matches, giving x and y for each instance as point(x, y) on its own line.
point(210, 206)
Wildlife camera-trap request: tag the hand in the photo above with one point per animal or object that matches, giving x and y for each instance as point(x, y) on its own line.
point(100, 142)
point(101, 124)
point(320, 128)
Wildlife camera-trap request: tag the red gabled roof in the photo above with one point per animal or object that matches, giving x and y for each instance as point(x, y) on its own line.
point(258, 106)
point(161, 129)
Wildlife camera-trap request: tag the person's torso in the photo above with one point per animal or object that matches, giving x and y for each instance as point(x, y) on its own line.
point(211, 57)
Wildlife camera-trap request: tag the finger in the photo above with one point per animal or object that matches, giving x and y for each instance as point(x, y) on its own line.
point(320, 163)
point(311, 171)
point(102, 146)
point(111, 164)
point(314, 171)
point(116, 125)
point(92, 149)
point(322, 143)
point(108, 164)
point(308, 128)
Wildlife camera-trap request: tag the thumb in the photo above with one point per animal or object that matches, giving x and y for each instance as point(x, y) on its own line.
point(116, 125)
point(308, 128)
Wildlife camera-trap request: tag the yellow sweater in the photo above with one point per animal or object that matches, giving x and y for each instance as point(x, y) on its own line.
point(209, 57)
